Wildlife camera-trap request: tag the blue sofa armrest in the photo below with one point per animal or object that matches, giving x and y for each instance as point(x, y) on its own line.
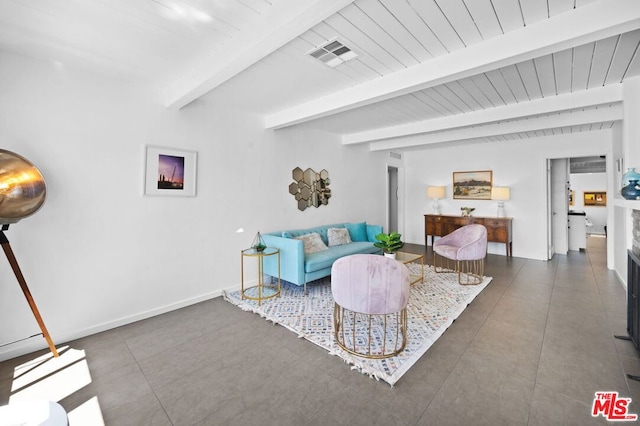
point(291, 259)
point(372, 231)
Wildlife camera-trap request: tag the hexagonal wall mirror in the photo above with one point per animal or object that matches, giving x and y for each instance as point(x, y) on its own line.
point(310, 188)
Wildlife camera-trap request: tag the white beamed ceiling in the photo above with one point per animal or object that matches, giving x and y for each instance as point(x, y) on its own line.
point(427, 72)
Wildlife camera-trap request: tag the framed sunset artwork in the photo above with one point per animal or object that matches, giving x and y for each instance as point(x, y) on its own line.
point(170, 172)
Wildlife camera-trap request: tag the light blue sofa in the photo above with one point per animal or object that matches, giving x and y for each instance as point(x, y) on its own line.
point(298, 268)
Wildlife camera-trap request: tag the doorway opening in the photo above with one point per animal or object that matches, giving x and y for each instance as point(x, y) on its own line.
point(577, 207)
point(393, 197)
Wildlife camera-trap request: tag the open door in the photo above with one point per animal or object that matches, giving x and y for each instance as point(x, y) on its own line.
point(551, 248)
point(393, 198)
point(557, 206)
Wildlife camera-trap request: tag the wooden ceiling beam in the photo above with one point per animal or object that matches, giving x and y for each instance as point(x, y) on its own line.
point(576, 118)
point(288, 20)
point(583, 25)
point(556, 104)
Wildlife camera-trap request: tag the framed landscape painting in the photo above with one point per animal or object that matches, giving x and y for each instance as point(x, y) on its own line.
point(472, 185)
point(170, 172)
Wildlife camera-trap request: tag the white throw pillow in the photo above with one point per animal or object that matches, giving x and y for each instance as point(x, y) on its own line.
point(338, 236)
point(312, 243)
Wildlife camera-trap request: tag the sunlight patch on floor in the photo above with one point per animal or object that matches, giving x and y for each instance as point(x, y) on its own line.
point(88, 413)
point(53, 379)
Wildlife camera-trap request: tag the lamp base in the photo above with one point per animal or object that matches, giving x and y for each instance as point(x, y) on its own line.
point(436, 206)
point(501, 212)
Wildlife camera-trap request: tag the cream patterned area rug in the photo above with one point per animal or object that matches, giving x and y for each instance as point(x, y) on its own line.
point(433, 306)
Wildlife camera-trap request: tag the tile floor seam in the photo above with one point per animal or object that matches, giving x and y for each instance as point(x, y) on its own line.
point(513, 278)
point(153, 390)
point(468, 345)
point(618, 355)
point(544, 335)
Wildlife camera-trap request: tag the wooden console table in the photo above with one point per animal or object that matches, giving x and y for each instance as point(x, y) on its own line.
point(498, 228)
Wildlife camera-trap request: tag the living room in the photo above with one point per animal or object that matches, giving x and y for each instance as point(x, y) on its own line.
point(116, 241)
point(101, 254)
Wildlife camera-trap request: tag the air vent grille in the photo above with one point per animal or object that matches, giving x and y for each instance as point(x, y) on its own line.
point(333, 53)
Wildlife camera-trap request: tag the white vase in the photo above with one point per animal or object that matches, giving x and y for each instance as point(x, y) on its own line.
point(390, 255)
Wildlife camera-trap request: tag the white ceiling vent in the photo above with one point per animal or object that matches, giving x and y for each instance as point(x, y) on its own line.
point(333, 53)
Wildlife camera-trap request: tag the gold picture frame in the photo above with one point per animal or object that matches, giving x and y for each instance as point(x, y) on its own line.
point(595, 199)
point(474, 185)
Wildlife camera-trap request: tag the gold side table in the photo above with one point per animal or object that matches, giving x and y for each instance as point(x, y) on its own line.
point(261, 291)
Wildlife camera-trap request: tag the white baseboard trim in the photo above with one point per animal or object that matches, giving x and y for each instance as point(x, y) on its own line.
point(36, 344)
point(623, 280)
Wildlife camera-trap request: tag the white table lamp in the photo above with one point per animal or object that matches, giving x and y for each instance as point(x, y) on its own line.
point(500, 194)
point(436, 193)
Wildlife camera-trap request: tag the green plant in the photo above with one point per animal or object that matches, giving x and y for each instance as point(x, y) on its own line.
point(389, 243)
point(466, 211)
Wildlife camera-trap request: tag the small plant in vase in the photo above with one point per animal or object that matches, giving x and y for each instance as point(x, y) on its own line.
point(466, 211)
point(389, 243)
point(258, 243)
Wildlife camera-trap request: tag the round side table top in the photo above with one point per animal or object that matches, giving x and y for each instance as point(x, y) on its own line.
point(33, 413)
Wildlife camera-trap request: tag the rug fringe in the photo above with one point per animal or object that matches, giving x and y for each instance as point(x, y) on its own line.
point(254, 310)
point(363, 369)
point(357, 365)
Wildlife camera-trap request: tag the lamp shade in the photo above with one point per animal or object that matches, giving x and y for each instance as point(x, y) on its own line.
point(500, 193)
point(435, 192)
point(22, 188)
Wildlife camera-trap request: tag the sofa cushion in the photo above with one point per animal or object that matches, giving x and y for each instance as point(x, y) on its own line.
point(312, 243)
point(357, 231)
point(338, 236)
point(317, 261)
point(320, 230)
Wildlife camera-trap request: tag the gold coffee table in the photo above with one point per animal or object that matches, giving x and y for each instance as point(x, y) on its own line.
point(407, 258)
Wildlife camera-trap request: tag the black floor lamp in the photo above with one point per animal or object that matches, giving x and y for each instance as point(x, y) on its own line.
point(22, 193)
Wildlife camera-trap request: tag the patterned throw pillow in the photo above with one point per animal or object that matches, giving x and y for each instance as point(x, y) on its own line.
point(338, 236)
point(312, 243)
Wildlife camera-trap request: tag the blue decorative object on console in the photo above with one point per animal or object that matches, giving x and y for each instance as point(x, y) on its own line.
point(629, 175)
point(631, 191)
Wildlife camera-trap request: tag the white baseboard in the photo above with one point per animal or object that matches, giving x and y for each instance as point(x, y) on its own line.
point(623, 280)
point(36, 344)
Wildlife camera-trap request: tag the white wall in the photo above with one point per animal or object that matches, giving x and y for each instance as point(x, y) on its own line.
point(627, 148)
point(618, 216)
point(99, 253)
point(590, 182)
point(518, 164)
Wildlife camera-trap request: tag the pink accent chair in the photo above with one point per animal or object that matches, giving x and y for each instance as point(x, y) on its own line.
point(462, 251)
point(371, 293)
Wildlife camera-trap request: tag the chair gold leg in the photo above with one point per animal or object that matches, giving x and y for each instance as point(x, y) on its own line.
point(349, 332)
point(443, 264)
point(472, 271)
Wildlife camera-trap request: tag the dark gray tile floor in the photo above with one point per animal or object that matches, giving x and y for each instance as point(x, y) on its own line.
point(532, 349)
